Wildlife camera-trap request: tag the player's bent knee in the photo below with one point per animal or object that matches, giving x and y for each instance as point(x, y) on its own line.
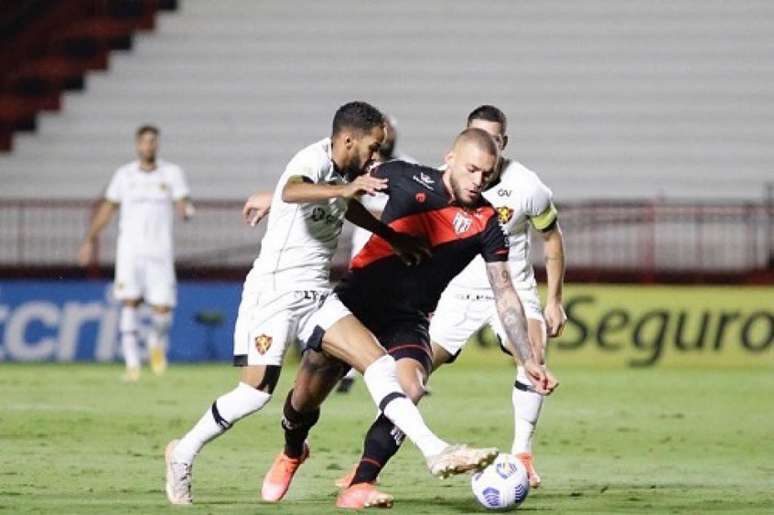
point(262, 378)
point(414, 391)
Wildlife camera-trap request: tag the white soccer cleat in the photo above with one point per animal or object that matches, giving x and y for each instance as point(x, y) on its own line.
point(178, 477)
point(458, 459)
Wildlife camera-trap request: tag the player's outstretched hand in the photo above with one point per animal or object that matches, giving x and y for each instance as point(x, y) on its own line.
point(256, 207)
point(555, 318)
point(410, 249)
point(364, 184)
point(86, 253)
point(541, 378)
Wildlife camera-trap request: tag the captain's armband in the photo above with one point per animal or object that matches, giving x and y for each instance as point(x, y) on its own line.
point(546, 220)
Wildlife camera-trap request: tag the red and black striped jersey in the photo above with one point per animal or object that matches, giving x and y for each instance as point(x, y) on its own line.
point(379, 285)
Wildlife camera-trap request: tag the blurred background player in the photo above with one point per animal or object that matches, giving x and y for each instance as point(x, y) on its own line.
point(375, 205)
point(522, 201)
point(147, 191)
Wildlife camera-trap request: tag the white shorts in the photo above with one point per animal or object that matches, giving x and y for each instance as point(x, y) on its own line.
point(331, 311)
point(149, 278)
point(461, 312)
point(268, 322)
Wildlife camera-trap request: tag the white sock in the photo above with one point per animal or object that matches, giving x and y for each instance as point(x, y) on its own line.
point(352, 374)
point(381, 379)
point(224, 412)
point(160, 324)
point(526, 410)
point(127, 327)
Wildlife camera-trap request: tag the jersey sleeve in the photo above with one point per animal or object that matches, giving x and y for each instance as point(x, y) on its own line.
point(387, 171)
point(179, 184)
point(494, 241)
point(114, 191)
point(539, 207)
point(302, 168)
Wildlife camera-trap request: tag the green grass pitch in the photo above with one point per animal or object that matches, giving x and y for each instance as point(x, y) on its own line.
point(73, 439)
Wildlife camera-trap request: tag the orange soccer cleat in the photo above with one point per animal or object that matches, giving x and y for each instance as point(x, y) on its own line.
point(346, 480)
point(526, 459)
point(363, 495)
point(277, 480)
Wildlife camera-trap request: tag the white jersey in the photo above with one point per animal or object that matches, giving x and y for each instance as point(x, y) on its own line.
point(521, 200)
point(300, 239)
point(147, 207)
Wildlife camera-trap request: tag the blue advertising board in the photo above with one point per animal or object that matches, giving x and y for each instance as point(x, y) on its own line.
point(78, 321)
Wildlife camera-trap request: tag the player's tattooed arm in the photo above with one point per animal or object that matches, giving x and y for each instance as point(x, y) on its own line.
point(515, 324)
point(510, 311)
point(299, 189)
point(409, 249)
point(553, 250)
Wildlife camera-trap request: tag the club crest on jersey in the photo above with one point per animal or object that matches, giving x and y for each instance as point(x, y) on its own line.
point(163, 186)
point(461, 223)
point(504, 214)
point(262, 343)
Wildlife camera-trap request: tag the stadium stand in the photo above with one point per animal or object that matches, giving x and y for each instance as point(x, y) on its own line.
point(634, 105)
point(607, 99)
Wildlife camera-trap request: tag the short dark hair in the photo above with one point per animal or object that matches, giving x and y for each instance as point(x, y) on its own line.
point(360, 116)
point(142, 129)
point(480, 138)
point(488, 113)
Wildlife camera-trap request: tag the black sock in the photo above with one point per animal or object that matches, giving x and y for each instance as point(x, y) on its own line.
point(381, 443)
point(297, 426)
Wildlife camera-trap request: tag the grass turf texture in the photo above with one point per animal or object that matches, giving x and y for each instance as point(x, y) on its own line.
point(73, 439)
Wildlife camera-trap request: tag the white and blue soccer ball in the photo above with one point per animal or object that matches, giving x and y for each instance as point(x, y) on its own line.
point(503, 484)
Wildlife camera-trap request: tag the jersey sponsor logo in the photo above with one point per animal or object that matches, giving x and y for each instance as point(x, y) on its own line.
point(320, 214)
point(263, 343)
point(461, 223)
point(424, 180)
point(421, 197)
point(504, 214)
point(504, 193)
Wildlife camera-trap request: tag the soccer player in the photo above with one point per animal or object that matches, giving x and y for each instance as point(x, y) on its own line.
point(394, 301)
point(286, 286)
point(375, 205)
point(522, 202)
point(146, 191)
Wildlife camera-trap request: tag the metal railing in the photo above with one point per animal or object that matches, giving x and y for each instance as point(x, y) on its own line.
point(645, 237)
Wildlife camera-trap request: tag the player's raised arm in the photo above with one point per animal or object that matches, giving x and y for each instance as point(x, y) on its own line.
point(100, 220)
point(409, 249)
point(300, 188)
point(514, 322)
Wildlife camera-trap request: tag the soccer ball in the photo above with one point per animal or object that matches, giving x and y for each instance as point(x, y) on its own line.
point(503, 484)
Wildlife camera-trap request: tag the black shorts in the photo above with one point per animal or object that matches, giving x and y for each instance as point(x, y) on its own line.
point(407, 340)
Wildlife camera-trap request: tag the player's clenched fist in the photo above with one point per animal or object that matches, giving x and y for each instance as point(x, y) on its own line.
point(541, 378)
